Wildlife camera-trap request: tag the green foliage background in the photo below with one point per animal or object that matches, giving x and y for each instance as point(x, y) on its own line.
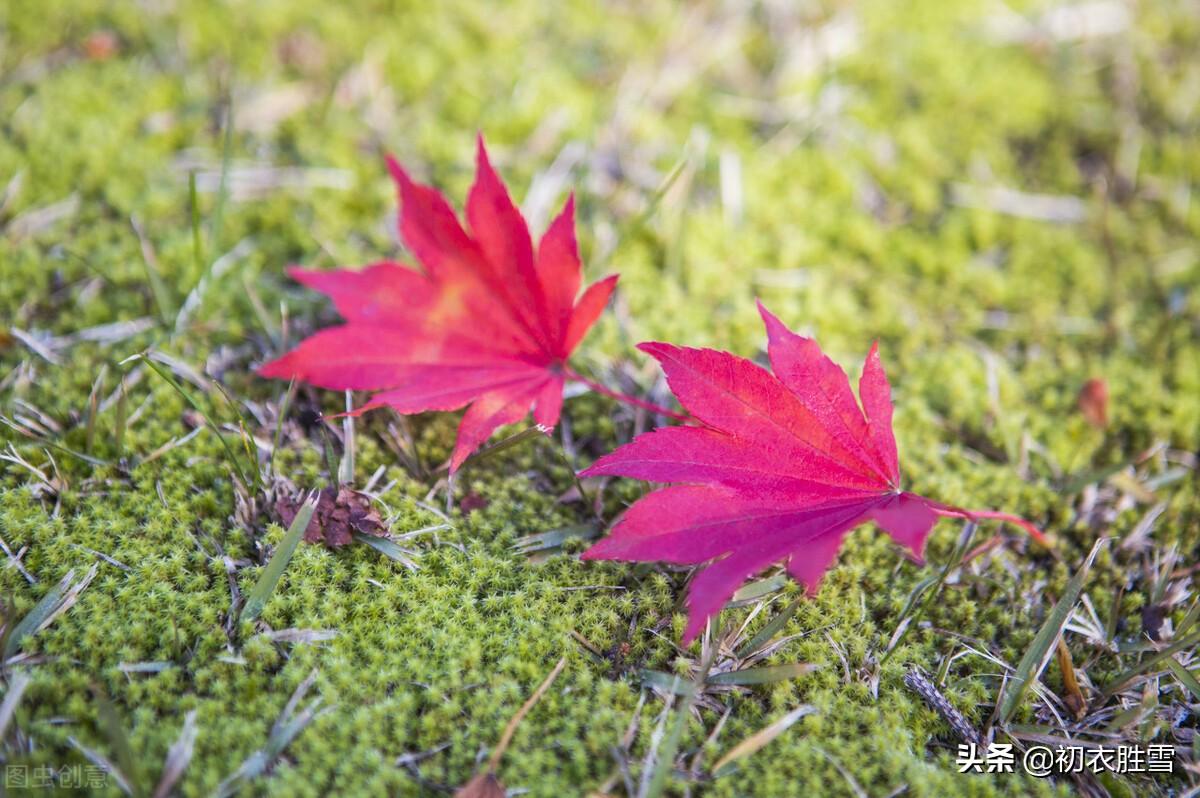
point(834, 160)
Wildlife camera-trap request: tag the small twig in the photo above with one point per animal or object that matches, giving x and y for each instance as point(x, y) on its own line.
point(919, 683)
point(511, 728)
point(110, 560)
point(587, 644)
point(15, 561)
point(851, 782)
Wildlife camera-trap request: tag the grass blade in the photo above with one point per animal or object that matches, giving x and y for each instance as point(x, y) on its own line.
point(58, 600)
point(16, 688)
point(663, 758)
point(388, 548)
point(104, 763)
point(769, 631)
point(554, 538)
point(1185, 677)
point(191, 400)
point(110, 724)
point(179, 756)
point(122, 419)
point(500, 446)
point(1119, 683)
point(331, 461)
point(927, 590)
point(285, 729)
point(755, 590)
point(761, 738)
point(93, 407)
point(667, 682)
point(217, 222)
point(249, 445)
point(764, 675)
point(1038, 655)
point(1193, 613)
point(268, 580)
point(664, 762)
point(162, 296)
point(197, 245)
point(284, 407)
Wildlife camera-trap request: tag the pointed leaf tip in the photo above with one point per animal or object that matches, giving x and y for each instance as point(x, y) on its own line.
point(776, 329)
point(587, 310)
point(656, 348)
point(769, 318)
point(397, 171)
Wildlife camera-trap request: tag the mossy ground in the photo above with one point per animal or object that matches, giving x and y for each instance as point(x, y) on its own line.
point(835, 161)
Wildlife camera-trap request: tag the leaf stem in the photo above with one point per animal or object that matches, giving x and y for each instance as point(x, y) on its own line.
point(620, 397)
point(977, 515)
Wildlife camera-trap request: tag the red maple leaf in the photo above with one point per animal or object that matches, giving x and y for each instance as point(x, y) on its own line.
point(782, 466)
point(488, 321)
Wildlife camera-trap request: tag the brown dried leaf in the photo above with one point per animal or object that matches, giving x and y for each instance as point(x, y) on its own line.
point(101, 45)
point(338, 516)
point(485, 785)
point(1093, 402)
point(472, 502)
point(1072, 696)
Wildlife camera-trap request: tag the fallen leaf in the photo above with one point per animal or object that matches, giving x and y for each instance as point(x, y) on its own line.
point(472, 502)
point(1093, 402)
point(101, 45)
point(781, 467)
point(337, 517)
point(489, 321)
point(485, 785)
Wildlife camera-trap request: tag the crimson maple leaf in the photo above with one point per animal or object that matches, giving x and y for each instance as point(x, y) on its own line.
point(488, 322)
point(781, 467)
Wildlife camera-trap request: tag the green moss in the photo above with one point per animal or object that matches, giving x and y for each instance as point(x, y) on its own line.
point(851, 229)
